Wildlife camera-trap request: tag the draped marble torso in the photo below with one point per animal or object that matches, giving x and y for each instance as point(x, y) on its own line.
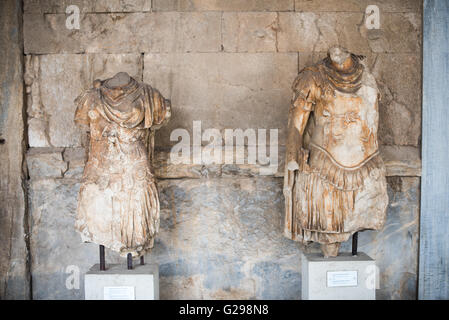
point(118, 204)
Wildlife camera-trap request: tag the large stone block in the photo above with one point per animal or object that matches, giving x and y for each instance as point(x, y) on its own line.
point(399, 33)
point(59, 258)
point(76, 159)
point(45, 163)
point(400, 106)
point(312, 31)
point(222, 239)
point(395, 247)
point(249, 32)
point(223, 90)
point(59, 6)
point(54, 83)
point(226, 5)
point(358, 5)
point(124, 33)
point(14, 264)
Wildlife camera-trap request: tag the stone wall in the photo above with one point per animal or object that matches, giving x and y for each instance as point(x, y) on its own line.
point(14, 249)
point(229, 64)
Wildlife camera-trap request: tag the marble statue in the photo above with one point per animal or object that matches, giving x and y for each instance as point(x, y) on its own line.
point(118, 204)
point(334, 182)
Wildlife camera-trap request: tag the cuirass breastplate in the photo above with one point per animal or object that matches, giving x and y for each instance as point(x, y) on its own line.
point(346, 126)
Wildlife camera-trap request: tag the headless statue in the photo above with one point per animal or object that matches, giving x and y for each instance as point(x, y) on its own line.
point(334, 183)
point(118, 204)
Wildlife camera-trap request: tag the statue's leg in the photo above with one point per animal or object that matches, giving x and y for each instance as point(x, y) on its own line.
point(142, 260)
point(330, 249)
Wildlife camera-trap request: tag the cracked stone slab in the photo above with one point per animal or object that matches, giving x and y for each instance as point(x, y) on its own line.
point(249, 31)
point(45, 163)
point(358, 5)
point(317, 31)
point(400, 106)
point(124, 33)
point(60, 6)
point(238, 90)
point(226, 5)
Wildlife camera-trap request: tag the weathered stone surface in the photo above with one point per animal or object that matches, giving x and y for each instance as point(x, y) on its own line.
point(249, 32)
point(56, 82)
point(234, 248)
point(45, 163)
point(211, 230)
point(37, 133)
point(14, 266)
point(56, 247)
point(226, 5)
point(399, 80)
point(59, 6)
point(206, 209)
point(311, 31)
point(398, 33)
point(76, 159)
point(358, 5)
point(395, 247)
point(237, 90)
point(401, 161)
point(124, 33)
point(219, 239)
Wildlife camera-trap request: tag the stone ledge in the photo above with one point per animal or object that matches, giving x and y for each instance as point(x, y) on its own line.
point(46, 163)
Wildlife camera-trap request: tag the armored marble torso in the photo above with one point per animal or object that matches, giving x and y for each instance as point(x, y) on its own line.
point(340, 187)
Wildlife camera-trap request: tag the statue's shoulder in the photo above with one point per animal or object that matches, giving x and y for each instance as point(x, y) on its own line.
point(307, 77)
point(90, 95)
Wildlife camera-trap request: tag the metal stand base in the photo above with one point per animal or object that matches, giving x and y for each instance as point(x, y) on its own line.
point(130, 261)
point(102, 259)
point(355, 238)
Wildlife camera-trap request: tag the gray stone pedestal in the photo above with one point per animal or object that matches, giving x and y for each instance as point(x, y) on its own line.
point(119, 283)
point(344, 277)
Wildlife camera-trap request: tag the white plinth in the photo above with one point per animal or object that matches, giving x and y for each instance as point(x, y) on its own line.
point(119, 283)
point(344, 277)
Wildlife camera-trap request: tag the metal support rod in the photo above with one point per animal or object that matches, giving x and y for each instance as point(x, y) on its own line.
point(102, 260)
point(355, 238)
point(130, 261)
point(142, 260)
